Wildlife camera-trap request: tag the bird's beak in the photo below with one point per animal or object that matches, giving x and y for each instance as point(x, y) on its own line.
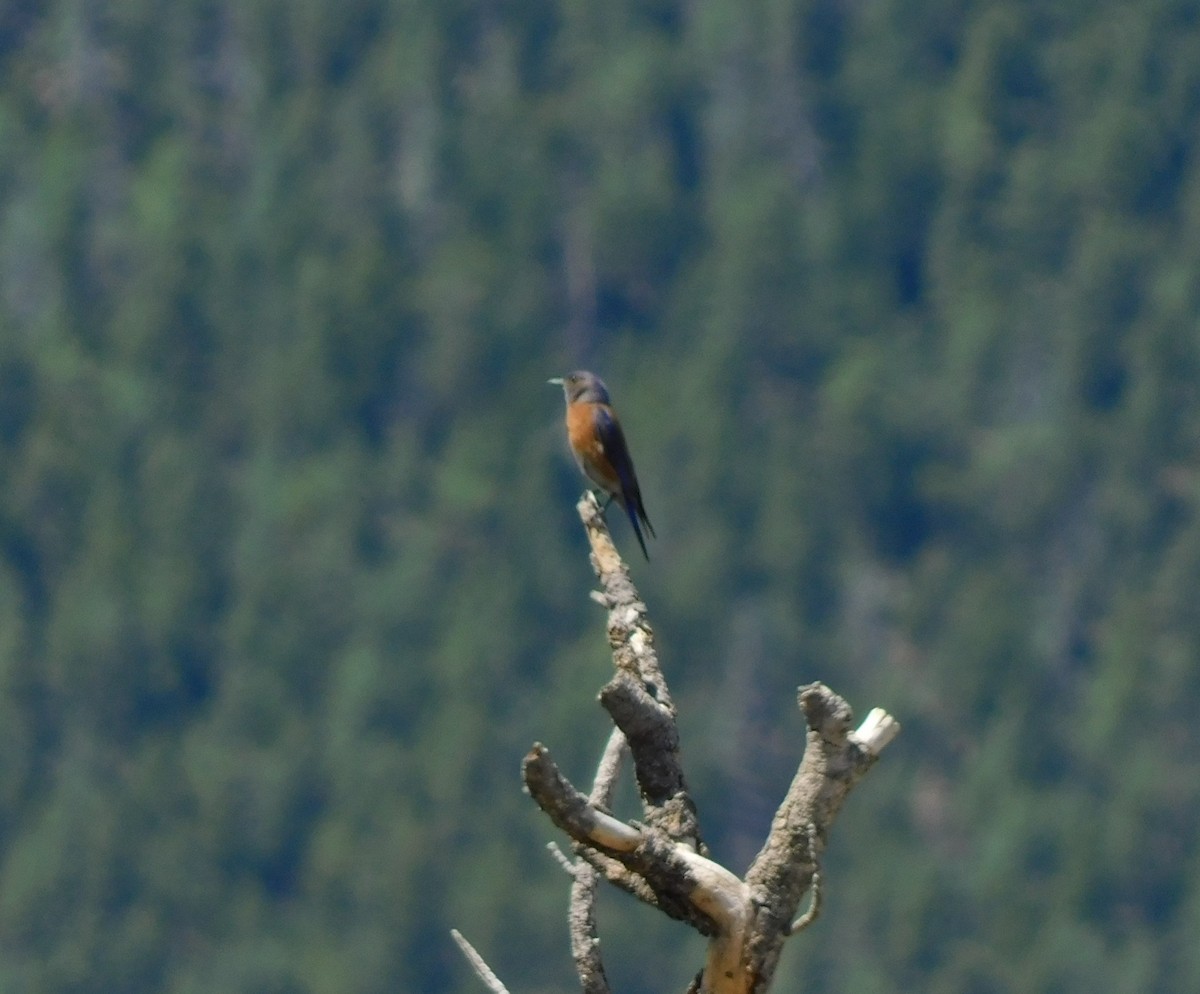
point(557, 381)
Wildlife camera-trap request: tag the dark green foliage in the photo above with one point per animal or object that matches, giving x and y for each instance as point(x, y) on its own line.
point(899, 305)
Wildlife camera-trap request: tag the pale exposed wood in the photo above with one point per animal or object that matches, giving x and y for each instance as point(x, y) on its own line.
point(661, 858)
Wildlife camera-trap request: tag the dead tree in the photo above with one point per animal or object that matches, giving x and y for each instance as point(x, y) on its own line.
point(662, 860)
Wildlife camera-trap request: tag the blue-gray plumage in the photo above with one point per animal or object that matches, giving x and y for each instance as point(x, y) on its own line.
point(598, 444)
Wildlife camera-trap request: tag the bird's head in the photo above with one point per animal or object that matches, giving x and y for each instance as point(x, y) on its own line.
point(582, 387)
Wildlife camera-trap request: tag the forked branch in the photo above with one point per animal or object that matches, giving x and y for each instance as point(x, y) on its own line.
point(662, 859)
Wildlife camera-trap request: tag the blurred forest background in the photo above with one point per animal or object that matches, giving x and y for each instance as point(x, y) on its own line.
point(899, 303)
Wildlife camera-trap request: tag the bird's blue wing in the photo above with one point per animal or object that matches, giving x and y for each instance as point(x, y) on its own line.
point(608, 430)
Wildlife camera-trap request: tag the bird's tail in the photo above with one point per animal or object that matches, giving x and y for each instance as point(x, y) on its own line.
point(645, 520)
point(635, 511)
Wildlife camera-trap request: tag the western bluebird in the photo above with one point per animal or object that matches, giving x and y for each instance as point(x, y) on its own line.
point(598, 445)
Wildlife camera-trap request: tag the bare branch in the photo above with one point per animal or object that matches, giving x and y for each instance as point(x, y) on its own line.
point(814, 906)
point(569, 866)
point(653, 740)
point(605, 783)
point(663, 862)
point(834, 760)
point(680, 879)
point(581, 918)
point(637, 698)
point(617, 874)
point(629, 631)
point(876, 731)
point(585, 939)
point(490, 980)
point(571, 811)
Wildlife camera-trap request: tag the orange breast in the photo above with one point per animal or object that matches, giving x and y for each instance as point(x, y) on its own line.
point(588, 449)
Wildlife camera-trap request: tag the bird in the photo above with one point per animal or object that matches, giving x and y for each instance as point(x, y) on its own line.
point(598, 444)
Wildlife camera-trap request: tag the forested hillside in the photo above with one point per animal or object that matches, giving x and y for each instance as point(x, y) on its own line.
point(898, 301)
